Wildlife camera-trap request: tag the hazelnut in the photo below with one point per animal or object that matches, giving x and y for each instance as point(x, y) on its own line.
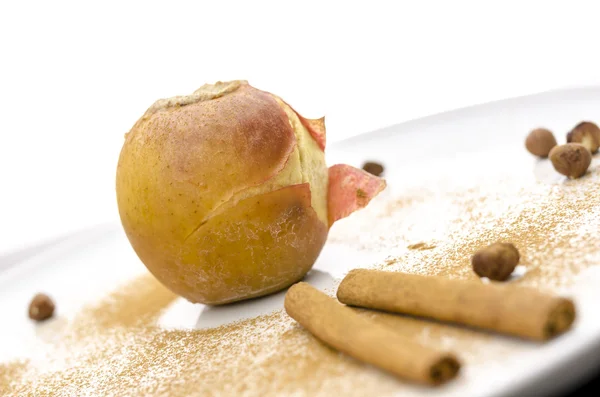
point(540, 141)
point(373, 168)
point(586, 133)
point(41, 307)
point(496, 261)
point(572, 159)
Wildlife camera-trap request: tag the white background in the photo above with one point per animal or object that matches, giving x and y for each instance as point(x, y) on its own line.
point(75, 76)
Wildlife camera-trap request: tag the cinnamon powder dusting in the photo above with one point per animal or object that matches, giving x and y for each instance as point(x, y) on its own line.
point(421, 246)
point(116, 347)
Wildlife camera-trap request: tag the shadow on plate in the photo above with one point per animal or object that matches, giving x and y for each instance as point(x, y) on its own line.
point(214, 316)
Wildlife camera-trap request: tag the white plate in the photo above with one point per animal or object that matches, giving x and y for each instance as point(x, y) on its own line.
point(80, 267)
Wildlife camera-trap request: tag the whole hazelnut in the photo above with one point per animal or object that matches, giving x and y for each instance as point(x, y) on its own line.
point(540, 141)
point(41, 307)
point(496, 261)
point(586, 133)
point(373, 168)
point(571, 160)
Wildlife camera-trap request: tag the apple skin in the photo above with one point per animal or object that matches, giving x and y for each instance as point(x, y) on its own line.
point(225, 195)
point(206, 199)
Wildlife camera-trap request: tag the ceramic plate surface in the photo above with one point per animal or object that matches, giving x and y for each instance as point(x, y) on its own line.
point(81, 267)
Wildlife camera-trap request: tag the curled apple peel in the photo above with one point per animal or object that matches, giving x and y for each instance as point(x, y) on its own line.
point(225, 195)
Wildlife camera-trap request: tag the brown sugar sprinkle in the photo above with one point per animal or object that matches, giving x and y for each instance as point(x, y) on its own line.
point(555, 227)
point(111, 354)
point(267, 355)
point(115, 347)
point(550, 234)
point(11, 373)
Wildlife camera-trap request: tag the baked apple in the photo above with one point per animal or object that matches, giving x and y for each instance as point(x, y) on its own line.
point(225, 195)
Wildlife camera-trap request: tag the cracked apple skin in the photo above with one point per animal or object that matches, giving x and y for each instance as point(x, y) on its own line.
point(225, 194)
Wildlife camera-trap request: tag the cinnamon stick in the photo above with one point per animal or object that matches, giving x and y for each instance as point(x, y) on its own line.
point(365, 339)
point(509, 309)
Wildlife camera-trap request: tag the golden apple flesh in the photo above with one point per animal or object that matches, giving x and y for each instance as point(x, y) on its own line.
point(225, 194)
